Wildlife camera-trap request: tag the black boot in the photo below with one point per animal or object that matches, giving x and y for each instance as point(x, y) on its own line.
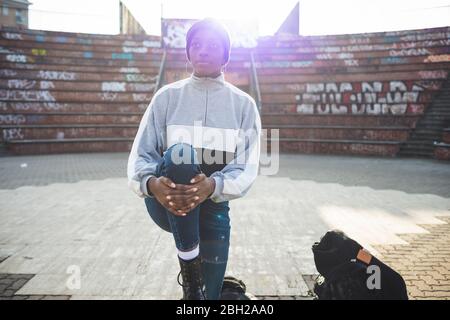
point(192, 279)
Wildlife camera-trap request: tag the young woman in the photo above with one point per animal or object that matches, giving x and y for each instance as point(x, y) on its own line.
point(197, 148)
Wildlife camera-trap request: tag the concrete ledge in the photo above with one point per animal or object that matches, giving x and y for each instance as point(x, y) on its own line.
point(339, 147)
point(17, 147)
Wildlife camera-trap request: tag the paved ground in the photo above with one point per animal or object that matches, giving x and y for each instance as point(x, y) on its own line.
point(65, 215)
point(424, 262)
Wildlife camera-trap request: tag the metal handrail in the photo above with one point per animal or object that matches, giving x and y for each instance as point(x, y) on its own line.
point(255, 82)
point(162, 68)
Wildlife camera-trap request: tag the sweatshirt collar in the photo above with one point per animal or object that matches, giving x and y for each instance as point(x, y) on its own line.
point(207, 82)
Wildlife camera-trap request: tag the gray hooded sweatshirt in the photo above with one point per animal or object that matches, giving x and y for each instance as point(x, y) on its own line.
point(219, 120)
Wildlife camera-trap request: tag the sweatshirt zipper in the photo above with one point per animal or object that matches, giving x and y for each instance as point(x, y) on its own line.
point(206, 112)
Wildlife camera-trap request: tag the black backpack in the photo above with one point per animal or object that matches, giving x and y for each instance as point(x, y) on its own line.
point(343, 265)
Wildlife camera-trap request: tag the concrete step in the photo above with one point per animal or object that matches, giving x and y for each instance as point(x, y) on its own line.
point(77, 68)
point(442, 113)
point(274, 88)
point(270, 55)
point(418, 144)
point(73, 96)
point(436, 114)
point(79, 52)
point(72, 77)
point(12, 107)
point(413, 153)
point(340, 119)
point(436, 117)
point(70, 118)
point(61, 132)
point(326, 144)
point(428, 130)
point(80, 87)
point(429, 137)
point(345, 77)
point(22, 147)
point(122, 60)
point(315, 68)
point(435, 105)
point(417, 147)
point(342, 133)
point(293, 107)
point(355, 147)
point(424, 142)
point(416, 153)
point(431, 123)
point(421, 150)
point(47, 48)
point(424, 136)
point(438, 109)
point(292, 98)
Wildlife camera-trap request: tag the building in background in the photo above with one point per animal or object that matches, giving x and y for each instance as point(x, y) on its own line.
point(14, 13)
point(128, 23)
point(291, 25)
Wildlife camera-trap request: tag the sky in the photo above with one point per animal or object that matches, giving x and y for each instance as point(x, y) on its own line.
point(317, 17)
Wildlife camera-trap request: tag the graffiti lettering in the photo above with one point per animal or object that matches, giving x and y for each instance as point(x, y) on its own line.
point(139, 97)
point(21, 84)
point(409, 52)
point(39, 52)
point(30, 95)
point(151, 44)
point(7, 73)
point(12, 134)
point(56, 75)
point(113, 86)
point(438, 58)
point(16, 58)
point(334, 98)
point(130, 70)
point(134, 49)
point(12, 36)
point(435, 74)
point(12, 119)
point(108, 96)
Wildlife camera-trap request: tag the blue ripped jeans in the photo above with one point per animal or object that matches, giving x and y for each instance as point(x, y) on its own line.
point(208, 224)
